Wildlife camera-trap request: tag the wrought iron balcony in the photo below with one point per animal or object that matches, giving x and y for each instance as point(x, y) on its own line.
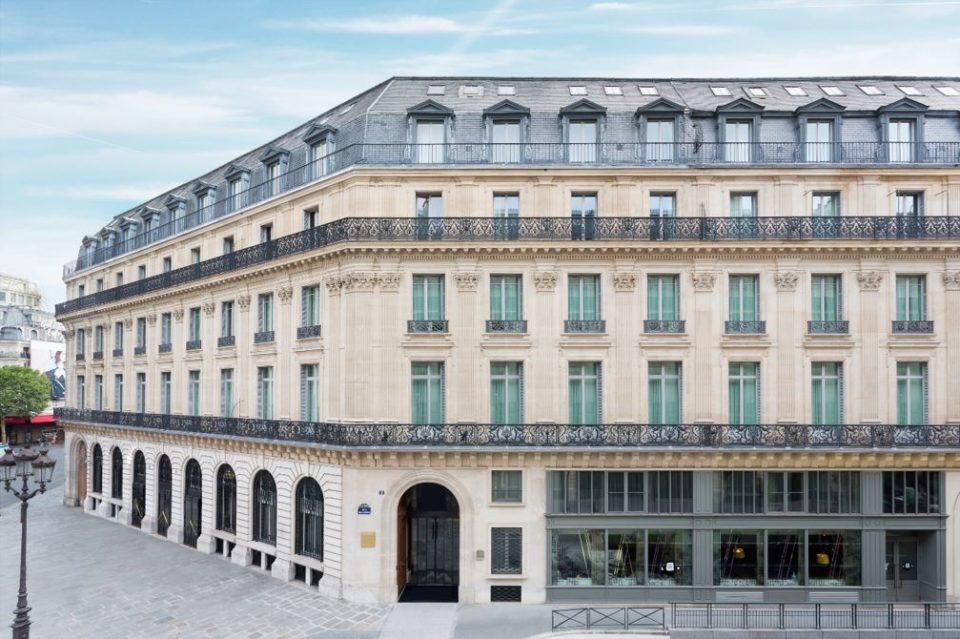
point(828, 327)
point(263, 337)
point(193, 345)
point(165, 348)
point(226, 340)
point(537, 229)
point(306, 332)
point(717, 436)
point(507, 326)
point(664, 326)
point(81, 357)
point(139, 350)
point(118, 352)
point(584, 326)
point(428, 326)
point(913, 326)
point(97, 355)
point(745, 327)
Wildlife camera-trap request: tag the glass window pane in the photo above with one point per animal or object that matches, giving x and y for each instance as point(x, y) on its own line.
point(669, 558)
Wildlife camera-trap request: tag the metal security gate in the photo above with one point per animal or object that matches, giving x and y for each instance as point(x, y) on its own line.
point(139, 502)
point(434, 550)
point(164, 495)
point(192, 497)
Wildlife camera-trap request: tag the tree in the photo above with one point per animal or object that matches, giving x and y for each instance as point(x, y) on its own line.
point(23, 392)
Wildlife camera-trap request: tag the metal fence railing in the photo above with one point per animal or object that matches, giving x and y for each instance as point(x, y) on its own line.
point(630, 618)
point(817, 616)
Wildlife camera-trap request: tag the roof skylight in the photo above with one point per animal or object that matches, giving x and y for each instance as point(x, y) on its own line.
point(649, 90)
point(832, 90)
point(578, 90)
point(436, 89)
point(471, 90)
point(506, 89)
point(948, 90)
point(869, 89)
point(798, 91)
point(757, 92)
point(720, 91)
point(347, 108)
point(910, 90)
point(609, 90)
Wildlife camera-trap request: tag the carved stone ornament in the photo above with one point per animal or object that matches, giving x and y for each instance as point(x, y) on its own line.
point(704, 281)
point(152, 320)
point(333, 284)
point(285, 293)
point(870, 280)
point(467, 281)
point(128, 323)
point(786, 281)
point(389, 281)
point(545, 280)
point(624, 281)
point(69, 333)
point(243, 302)
point(951, 281)
point(178, 314)
point(209, 308)
point(360, 281)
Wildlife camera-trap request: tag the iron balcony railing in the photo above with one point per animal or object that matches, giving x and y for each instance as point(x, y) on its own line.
point(81, 357)
point(306, 332)
point(263, 337)
point(912, 326)
point(776, 436)
point(531, 154)
point(664, 326)
point(165, 348)
point(507, 326)
point(584, 326)
point(536, 229)
point(118, 352)
point(194, 344)
point(226, 340)
point(817, 616)
point(827, 327)
point(428, 326)
point(744, 327)
point(97, 355)
point(139, 350)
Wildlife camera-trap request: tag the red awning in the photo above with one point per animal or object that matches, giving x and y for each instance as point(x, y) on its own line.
point(36, 419)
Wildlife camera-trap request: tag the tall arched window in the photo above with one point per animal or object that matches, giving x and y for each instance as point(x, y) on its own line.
point(264, 508)
point(192, 503)
point(164, 494)
point(97, 469)
point(116, 474)
point(309, 533)
point(139, 502)
point(226, 499)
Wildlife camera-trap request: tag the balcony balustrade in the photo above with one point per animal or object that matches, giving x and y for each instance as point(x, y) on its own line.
point(428, 326)
point(194, 345)
point(620, 435)
point(537, 154)
point(306, 332)
point(507, 326)
point(165, 348)
point(226, 340)
point(828, 327)
point(97, 355)
point(139, 350)
point(537, 229)
point(745, 327)
point(584, 326)
point(118, 352)
point(913, 326)
point(263, 337)
point(664, 326)
point(81, 357)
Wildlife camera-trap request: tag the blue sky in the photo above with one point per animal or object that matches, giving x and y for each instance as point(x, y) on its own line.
point(104, 104)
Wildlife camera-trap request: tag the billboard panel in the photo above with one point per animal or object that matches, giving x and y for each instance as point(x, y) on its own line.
point(50, 359)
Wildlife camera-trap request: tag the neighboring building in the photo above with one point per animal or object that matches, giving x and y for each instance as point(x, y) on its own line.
point(567, 339)
point(31, 336)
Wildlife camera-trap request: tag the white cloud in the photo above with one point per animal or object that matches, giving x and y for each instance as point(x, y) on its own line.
point(395, 25)
point(685, 30)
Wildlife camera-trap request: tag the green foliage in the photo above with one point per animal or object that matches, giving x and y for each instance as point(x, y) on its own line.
point(23, 391)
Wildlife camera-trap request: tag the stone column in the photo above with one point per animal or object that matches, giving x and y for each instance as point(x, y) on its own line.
point(789, 332)
point(286, 380)
point(178, 376)
point(244, 378)
point(151, 400)
point(465, 317)
point(334, 332)
point(544, 380)
point(210, 373)
point(624, 355)
point(873, 403)
point(951, 286)
point(706, 375)
point(149, 523)
point(390, 362)
point(357, 295)
point(206, 543)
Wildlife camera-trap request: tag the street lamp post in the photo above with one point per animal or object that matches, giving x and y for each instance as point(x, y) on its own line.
point(20, 465)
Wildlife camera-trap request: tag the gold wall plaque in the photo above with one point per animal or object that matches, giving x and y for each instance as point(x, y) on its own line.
point(368, 539)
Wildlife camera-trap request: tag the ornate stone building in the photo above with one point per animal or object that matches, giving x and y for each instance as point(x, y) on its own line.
point(546, 340)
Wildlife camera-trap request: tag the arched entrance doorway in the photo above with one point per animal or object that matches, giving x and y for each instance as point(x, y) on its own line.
point(428, 544)
point(139, 488)
point(192, 497)
point(164, 495)
point(81, 473)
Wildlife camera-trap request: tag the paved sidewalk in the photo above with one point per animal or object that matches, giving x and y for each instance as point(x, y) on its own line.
point(92, 578)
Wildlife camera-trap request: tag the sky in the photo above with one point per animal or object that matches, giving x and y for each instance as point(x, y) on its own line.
point(105, 104)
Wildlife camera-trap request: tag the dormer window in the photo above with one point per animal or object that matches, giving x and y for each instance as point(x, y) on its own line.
point(739, 123)
point(236, 189)
point(238, 181)
point(506, 123)
point(429, 123)
point(320, 142)
point(276, 162)
point(901, 126)
point(581, 125)
point(658, 122)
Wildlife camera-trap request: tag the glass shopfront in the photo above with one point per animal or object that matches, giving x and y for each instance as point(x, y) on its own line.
point(621, 558)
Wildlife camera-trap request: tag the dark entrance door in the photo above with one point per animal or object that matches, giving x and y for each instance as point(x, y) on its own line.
point(429, 553)
point(902, 556)
point(81, 474)
point(139, 488)
point(164, 495)
point(191, 503)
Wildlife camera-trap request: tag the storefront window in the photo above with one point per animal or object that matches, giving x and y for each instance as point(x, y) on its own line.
point(669, 558)
point(576, 491)
point(911, 492)
point(833, 492)
point(625, 558)
point(671, 491)
point(738, 491)
point(737, 558)
point(833, 557)
point(625, 492)
point(785, 492)
point(784, 559)
point(578, 558)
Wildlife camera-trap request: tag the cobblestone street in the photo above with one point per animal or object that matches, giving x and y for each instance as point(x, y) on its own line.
point(88, 577)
